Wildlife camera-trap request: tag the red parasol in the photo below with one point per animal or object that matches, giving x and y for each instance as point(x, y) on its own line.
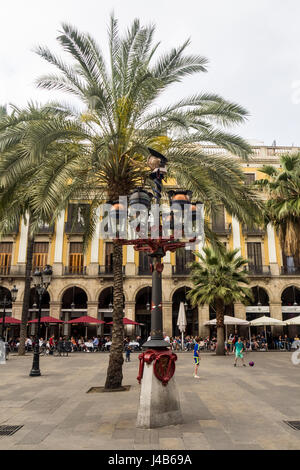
point(46, 320)
point(86, 319)
point(126, 321)
point(11, 321)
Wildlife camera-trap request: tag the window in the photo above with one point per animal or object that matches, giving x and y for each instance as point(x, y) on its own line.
point(218, 218)
point(76, 258)
point(183, 258)
point(254, 255)
point(144, 263)
point(109, 257)
point(77, 218)
point(40, 255)
point(5, 257)
point(250, 178)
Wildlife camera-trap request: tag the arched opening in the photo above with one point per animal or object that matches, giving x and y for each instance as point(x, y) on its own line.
point(290, 299)
point(143, 311)
point(105, 309)
point(228, 310)
point(34, 309)
point(74, 305)
point(34, 302)
point(6, 310)
point(259, 306)
point(180, 295)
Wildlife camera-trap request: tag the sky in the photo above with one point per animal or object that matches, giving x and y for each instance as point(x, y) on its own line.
point(252, 46)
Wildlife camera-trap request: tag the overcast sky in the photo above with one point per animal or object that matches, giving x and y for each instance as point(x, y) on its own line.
point(252, 46)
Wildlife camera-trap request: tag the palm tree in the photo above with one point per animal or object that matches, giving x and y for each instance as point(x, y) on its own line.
point(219, 279)
point(282, 208)
point(100, 151)
point(16, 183)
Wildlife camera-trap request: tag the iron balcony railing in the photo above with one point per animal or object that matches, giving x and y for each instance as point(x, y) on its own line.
point(74, 227)
point(254, 231)
point(108, 270)
point(181, 270)
point(45, 229)
point(144, 271)
point(221, 229)
point(290, 270)
point(4, 270)
point(75, 270)
point(257, 270)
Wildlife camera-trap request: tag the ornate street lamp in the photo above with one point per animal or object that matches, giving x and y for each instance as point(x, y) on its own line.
point(166, 234)
point(6, 302)
point(41, 282)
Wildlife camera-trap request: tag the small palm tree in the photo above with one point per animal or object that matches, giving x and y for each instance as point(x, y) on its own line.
point(282, 208)
point(219, 279)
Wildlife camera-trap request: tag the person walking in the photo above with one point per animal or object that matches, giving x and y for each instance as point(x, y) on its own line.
point(127, 352)
point(197, 357)
point(238, 349)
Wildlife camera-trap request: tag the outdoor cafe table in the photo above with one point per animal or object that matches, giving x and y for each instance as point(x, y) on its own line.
point(47, 320)
point(86, 320)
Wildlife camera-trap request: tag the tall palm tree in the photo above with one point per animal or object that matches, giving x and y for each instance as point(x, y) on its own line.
point(105, 144)
point(282, 207)
point(219, 279)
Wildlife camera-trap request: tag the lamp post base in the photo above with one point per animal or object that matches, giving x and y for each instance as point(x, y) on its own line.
point(159, 399)
point(35, 373)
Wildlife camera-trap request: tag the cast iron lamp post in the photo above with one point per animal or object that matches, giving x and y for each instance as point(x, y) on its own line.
point(41, 282)
point(6, 302)
point(155, 247)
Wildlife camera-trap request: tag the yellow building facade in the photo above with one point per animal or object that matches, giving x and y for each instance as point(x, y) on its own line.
point(82, 280)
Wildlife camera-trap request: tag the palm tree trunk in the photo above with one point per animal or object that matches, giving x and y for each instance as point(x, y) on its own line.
point(220, 351)
point(114, 375)
point(26, 298)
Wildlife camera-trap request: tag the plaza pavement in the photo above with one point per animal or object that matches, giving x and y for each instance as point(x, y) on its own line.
point(227, 408)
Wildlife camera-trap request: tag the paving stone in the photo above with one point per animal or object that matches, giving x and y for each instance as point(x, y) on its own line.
point(228, 408)
point(171, 443)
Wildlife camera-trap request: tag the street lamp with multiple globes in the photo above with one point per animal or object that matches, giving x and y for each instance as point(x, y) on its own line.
point(157, 354)
point(6, 302)
point(41, 282)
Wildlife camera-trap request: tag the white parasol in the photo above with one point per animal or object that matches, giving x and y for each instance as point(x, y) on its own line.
point(181, 321)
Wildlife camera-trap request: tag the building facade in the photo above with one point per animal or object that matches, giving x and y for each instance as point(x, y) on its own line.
point(82, 279)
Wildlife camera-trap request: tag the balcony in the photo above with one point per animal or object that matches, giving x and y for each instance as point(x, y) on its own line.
point(290, 270)
point(108, 271)
point(253, 231)
point(181, 271)
point(4, 270)
point(144, 271)
point(221, 229)
point(75, 270)
point(74, 228)
point(258, 270)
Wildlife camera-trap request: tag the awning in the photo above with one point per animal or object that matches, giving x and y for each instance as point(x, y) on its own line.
point(228, 321)
point(10, 321)
point(86, 319)
point(47, 320)
point(267, 321)
point(293, 321)
point(126, 321)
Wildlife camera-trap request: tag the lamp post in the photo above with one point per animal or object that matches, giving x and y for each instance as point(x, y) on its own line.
point(41, 282)
point(6, 302)
point(157, 363)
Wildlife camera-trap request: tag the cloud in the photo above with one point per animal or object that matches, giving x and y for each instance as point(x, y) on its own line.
point(252, 47)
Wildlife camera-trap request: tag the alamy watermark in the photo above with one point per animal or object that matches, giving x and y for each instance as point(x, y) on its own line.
point(137, 221)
